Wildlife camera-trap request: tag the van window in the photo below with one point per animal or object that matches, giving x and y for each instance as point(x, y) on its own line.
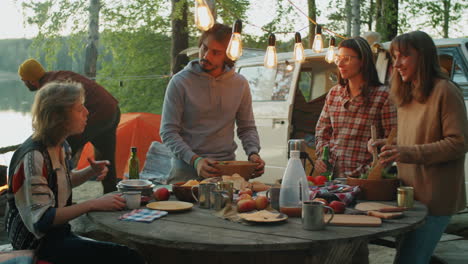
point(452, 61)
point(269, 84)
point(316, 78)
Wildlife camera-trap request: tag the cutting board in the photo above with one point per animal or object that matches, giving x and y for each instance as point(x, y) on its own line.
point(354, 220)
point(373, 206)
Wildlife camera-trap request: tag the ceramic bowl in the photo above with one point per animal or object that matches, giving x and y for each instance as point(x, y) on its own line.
point(376, 190)
point(243, 168)
point(184, 193)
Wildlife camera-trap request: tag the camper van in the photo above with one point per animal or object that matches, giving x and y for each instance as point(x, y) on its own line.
point(287, 101)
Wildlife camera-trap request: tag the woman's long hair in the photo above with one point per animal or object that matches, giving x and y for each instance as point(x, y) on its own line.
point(51, 110)
point(368, 71)
point(427, 72)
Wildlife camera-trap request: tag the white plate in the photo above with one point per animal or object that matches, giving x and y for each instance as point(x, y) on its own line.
point(135, 183)
point(263, 216)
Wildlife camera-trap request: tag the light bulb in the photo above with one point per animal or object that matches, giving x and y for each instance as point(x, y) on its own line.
point(270, 60)
point(298, 49)
point(234, 49)
point(330, 57)
point(318, 42)
point(203, 17)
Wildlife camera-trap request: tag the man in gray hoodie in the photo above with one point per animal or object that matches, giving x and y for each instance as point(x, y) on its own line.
point(203, 102)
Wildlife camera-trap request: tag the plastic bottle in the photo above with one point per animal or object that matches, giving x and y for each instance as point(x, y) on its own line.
point(294, 187)
point(133, 165)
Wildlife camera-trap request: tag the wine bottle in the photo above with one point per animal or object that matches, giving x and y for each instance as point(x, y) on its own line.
point(133, 165)
point(326, 160)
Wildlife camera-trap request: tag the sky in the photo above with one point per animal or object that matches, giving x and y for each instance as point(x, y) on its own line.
point(12, 26)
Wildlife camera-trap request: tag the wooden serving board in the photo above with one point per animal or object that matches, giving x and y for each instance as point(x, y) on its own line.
point(354, 220)
point(373, 206)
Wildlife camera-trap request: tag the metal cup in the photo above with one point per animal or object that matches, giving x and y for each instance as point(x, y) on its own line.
point(312, 215)
point(204, 191)
point(405, 197)
point(273, 195)
point(227, 187)
point(219, 199)
point(132, 199)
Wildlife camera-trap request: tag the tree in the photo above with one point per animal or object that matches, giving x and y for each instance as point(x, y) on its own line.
point(180, 35)
point(356, 11)
point(439, 14)
point(93, 39)
point(387, 18)
point(312, 7)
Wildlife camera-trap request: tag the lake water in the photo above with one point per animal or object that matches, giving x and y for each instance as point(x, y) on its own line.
point(15, 117)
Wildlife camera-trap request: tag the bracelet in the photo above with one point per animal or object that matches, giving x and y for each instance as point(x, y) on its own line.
point(195, 162)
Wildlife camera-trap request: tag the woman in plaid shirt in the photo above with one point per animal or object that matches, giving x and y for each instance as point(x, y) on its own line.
point(351, 107)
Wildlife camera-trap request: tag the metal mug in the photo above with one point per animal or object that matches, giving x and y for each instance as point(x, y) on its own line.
point(313, 215)
point(273, 195)
point(204, 191)
point(405, 197)
point(219, 199)
point(227, 187)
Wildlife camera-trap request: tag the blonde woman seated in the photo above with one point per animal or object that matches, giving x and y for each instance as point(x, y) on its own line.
point(41, 181)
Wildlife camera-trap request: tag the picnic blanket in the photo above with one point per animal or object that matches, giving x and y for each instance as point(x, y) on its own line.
point(346, 194)
point(142, 215)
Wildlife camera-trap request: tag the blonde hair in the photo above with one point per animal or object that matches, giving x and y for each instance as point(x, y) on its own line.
point(51, 110)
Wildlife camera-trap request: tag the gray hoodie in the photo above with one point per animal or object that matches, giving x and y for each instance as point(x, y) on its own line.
point(200, 111)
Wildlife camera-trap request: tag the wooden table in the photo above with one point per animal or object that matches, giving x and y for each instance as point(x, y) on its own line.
point(197, 236)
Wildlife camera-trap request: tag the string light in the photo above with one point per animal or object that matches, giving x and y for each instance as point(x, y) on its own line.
point(270, 56)
point(203, 18)
point(298, 48)
point(318, 42)
point(234, 49)
point(331, 51)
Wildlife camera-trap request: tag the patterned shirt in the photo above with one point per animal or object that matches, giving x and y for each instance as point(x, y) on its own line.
point(31, 189)
point(345, 126)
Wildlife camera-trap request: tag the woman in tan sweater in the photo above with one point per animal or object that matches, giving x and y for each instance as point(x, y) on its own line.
point(432, 140)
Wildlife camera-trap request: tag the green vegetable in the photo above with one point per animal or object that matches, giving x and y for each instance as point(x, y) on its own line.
point(364, 175)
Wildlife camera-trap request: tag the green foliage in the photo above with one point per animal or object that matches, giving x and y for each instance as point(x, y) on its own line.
point(139, 60)
point(439, 14)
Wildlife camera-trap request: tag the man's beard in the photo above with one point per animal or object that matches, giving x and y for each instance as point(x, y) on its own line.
point(31, 87)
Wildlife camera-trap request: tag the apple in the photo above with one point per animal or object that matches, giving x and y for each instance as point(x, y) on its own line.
point(161, 194)
point(245, 197)
point(338, 207)
point(261, 202)
point(246, 205)
point(320, 180)
point(246, 191)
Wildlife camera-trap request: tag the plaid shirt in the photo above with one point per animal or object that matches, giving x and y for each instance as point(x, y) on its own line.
point(345, 126)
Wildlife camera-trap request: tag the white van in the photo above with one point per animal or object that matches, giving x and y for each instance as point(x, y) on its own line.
point(287, 101)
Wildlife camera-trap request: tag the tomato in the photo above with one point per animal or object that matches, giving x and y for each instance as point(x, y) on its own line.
point(320, 180)
point(311, 179)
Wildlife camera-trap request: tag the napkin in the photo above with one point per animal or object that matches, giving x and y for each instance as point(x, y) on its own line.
point(142, 215)
point(348, 196)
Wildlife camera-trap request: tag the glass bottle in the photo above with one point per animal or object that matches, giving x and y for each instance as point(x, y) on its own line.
point(326, 160)
point(133, 165)
point(294, 187)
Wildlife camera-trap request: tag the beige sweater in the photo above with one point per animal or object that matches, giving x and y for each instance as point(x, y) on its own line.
point(433, 140)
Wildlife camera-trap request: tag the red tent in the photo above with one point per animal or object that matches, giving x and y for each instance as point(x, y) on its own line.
point(134, 130)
